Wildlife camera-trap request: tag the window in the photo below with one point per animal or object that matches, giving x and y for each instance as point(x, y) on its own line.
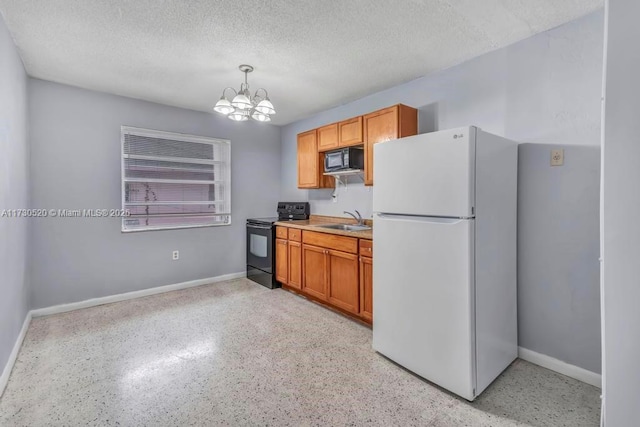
point(171, 180)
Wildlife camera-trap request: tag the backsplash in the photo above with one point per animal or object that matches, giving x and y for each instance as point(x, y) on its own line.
point(353, 196)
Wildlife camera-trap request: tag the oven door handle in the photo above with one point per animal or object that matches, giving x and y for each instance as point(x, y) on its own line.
point(261, 227)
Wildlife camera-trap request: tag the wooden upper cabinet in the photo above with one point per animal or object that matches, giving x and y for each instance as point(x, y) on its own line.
point(383, 125)
point(343, 134)
point(350, 132)
point(308, 160)
point(311, 163)
point(328, 137)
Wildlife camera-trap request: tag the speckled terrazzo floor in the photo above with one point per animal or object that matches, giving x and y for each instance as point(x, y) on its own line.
point(235, 353)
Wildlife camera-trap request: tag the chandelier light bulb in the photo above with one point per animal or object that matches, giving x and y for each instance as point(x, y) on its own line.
point(239, 116)
point(223, 106)
point(265, 107)
point(241, 101)
point(257, 115)
point(243, 106)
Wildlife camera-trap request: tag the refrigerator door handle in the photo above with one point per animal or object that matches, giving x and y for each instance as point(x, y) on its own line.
point(431, 219)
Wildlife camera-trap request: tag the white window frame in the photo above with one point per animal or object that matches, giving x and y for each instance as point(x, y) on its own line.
point(173, 136)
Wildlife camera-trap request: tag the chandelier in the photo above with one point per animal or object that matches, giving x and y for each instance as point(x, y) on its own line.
point(243, 106)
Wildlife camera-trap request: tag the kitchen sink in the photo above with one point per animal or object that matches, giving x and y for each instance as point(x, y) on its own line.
point(346, 227)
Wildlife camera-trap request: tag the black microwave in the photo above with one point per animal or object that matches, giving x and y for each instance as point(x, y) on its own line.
point(344, 159)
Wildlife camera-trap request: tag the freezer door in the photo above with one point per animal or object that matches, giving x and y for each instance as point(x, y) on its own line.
point(431, 174)
point(423, 297)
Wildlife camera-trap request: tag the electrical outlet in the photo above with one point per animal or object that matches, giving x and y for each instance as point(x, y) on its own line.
point(557, 157)
point(176, 255)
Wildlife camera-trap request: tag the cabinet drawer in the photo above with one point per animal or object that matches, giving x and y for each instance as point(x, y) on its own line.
point(366, 248)
point(331, 241)
point(295, 235)
point(281, 232)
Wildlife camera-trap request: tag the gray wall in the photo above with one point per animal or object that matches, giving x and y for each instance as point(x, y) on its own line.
point(620, 226)
point(543, 90)
point(558, 267)
point(75, 164)
point(14, 194)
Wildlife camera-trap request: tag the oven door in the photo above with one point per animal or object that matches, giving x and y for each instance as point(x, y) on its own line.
point(260, 247)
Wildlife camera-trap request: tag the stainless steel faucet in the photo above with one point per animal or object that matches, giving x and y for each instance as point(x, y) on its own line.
point(357, 218)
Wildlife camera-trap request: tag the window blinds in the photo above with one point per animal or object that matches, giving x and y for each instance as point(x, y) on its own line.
point(172, 180)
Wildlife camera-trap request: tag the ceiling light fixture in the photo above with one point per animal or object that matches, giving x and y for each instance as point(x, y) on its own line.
point(243, 106)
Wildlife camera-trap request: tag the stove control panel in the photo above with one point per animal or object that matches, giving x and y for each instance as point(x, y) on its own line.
point(293, 210)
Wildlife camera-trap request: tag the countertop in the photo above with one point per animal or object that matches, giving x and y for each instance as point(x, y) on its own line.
point(314, 221)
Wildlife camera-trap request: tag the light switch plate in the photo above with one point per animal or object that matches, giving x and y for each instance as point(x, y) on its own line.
point(557, 157)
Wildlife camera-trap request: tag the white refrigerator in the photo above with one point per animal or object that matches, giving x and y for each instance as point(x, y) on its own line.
point(444, 236)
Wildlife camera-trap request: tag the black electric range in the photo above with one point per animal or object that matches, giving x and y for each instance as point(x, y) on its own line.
point(261, 241)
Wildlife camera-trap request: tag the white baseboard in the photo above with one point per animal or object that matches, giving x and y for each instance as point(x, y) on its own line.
point(131, 295)
point(560, 367)
point(4, 379)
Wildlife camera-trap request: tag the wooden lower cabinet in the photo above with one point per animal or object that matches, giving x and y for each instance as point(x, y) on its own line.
point(332, 276)
point(343, 288)
point(314, 267)
point(282, 261)
point(366, 288)
point(295, 264)
point(328, 268)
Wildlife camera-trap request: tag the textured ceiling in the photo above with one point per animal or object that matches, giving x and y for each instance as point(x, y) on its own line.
point(310, 55)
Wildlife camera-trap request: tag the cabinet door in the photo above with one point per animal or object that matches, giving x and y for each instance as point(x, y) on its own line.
point(311, 163)
point(383, 125)
point(328, 137)
point(308, 161)
point(314, 271)
point(379, 126)
point(281, 261)
point(344, 285)
point(350, 132)
point(295, 264)
point(366, 288)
